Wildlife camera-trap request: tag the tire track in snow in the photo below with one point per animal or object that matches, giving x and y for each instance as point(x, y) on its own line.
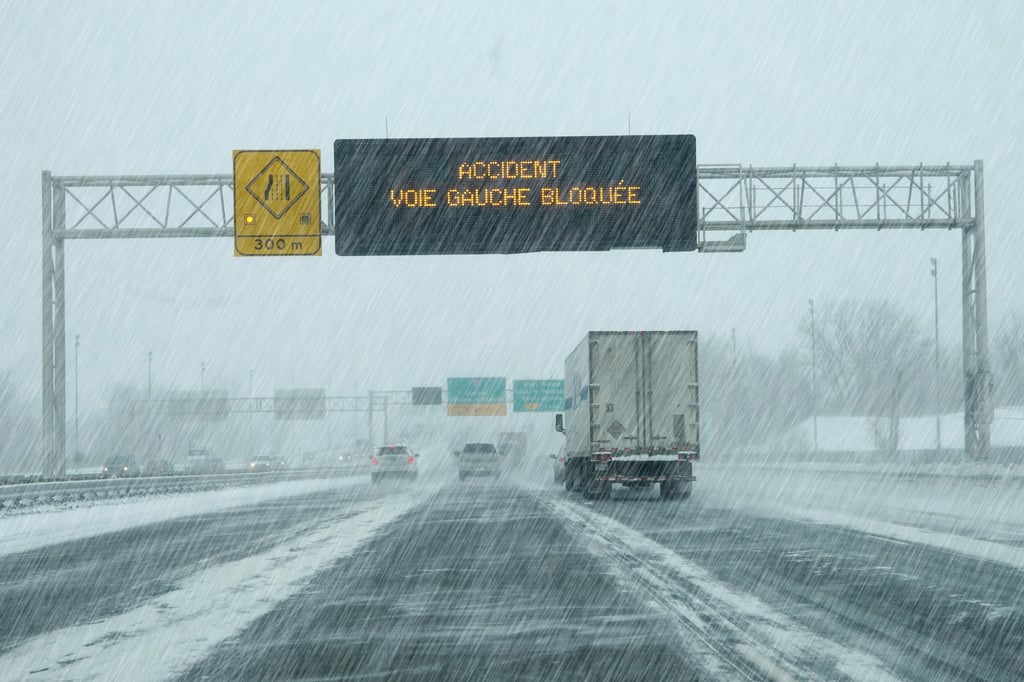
point(730, 633)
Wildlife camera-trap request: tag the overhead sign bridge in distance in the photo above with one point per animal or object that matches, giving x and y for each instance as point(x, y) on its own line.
point(300, 403)
point(515, 194)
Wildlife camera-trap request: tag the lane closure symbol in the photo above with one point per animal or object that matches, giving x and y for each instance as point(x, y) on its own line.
point(273, 187)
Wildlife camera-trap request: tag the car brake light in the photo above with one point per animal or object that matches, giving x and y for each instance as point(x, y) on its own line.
point(412, 460)
point(373, 461)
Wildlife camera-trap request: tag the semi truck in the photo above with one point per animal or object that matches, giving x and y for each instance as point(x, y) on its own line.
point(632, 412)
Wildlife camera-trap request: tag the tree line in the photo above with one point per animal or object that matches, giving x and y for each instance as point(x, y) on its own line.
point(871, 359)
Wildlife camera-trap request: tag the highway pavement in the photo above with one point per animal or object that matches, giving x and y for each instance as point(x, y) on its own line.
point(492, 580)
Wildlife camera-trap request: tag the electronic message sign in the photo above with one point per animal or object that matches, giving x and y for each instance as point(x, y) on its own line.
point(515, 195)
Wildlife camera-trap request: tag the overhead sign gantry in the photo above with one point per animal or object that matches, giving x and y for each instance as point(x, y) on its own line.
point(730, 198)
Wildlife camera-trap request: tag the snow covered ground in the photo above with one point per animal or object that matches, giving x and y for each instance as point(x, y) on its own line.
point(42, 525)
point(149, 642)
point(864, 434)
point(977, 516)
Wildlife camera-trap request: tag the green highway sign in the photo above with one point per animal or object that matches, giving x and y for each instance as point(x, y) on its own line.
point(476, 396)
point(544, 395)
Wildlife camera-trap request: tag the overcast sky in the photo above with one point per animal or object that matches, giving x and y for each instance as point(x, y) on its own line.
point(174, 87)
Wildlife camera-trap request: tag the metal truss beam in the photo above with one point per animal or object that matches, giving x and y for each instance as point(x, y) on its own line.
point(833, 198)
point(733, 199)
point(223, 407)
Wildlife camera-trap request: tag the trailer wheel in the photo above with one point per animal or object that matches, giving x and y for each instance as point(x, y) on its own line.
point(572, 479)
point(596, 490)
point(669, 490)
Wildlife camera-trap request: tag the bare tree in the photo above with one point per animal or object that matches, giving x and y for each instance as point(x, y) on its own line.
point(19, 429)
point(871, 359)
point(1009, 361)
point(748, 399)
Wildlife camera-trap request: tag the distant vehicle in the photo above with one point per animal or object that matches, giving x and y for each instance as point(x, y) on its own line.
point(559, 465)
point(346, 458)
point(122, 467)
point(261, 463)
point(512, 444)
point(159, 467)
point(478, 459)
point(632, 412)
point(201, 462)
point(393, 461)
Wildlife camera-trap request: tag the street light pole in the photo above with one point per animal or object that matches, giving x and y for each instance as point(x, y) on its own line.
point(252, 410)
point(814, 376)
point(938, 397)
point(149, 378)
point(77, 454)
point(202, 376)
point(369, 420)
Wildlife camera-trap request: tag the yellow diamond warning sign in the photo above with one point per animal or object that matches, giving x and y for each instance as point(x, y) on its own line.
point(277, 187)
point(277, 203)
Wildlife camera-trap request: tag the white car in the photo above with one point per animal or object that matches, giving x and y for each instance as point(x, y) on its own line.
point(478, 459)
point(559, 465)
point(393, 461)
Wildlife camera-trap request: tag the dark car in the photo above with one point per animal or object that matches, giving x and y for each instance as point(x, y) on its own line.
point(123, 467)
point(263, 463)
point(159, 467)
point(260, 464)
point(202, 463)
point(348, 458)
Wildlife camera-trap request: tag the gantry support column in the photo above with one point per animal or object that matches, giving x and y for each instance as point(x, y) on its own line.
point(977, 370)
point(53, 336)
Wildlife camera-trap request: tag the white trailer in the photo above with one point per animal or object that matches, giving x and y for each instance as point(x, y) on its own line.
point(632, 412)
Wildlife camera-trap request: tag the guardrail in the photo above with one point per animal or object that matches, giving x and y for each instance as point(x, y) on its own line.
point(26, 494)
